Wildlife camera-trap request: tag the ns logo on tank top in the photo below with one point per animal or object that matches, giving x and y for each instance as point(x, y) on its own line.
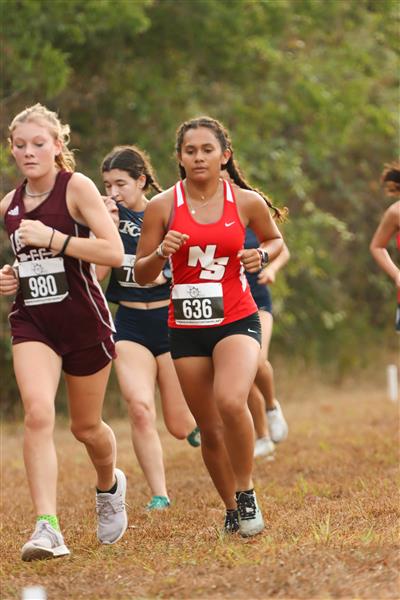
point(212, 268)
point(201, 303)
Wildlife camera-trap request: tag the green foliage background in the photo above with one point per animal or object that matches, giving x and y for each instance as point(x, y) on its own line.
point(309, 90)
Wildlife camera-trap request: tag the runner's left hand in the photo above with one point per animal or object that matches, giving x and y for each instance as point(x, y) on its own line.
point(250, 259)
point(34, 233)
point(266, 276)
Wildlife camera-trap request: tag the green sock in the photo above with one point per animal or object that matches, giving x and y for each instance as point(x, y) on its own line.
point(51, 519)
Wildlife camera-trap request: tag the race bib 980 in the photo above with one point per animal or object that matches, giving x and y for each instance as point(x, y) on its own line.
point(198, 304)
point(43, 281)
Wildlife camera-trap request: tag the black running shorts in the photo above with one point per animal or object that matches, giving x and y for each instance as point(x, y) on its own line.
point(201, 341)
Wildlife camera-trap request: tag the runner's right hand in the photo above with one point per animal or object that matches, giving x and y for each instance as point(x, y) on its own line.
point(8, 281)
point(112, 208)
point(173, 241)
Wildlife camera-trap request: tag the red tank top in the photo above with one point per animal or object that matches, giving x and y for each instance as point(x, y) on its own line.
point(60, 295)
point(209, 284)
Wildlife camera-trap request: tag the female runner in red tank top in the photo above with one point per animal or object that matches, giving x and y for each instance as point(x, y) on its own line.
point(60, 320)
point(214, 326)
point(388, 228)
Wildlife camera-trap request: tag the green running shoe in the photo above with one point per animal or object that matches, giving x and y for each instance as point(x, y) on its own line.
point(158, 503)
point(194, 437)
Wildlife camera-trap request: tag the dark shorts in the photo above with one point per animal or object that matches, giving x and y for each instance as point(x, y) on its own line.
point(201, 341)
point(145, 327)
point(80, 363)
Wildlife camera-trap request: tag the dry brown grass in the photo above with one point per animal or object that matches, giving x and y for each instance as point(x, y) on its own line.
point(330, 501)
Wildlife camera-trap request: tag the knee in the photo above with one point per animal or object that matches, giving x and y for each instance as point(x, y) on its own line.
point(232, 407)
point(212, 437)
point(84, 432)
point(141, 415)
point(39, 418)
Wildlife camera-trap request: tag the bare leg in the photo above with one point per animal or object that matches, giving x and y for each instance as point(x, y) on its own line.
point(265, 375)
point(257, 408)
point(235, 361)
point(196, 376)
point(177, 416)
point(37, 370)
point(136, 370)
point(86, 397)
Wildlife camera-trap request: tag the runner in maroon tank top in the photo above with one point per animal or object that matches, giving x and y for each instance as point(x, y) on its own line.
point(60, 320)
point(388, 228)
point(215, 332)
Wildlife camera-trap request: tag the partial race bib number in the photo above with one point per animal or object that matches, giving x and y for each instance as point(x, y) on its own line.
point(198, 304)
point(43, 281)
point(125, 274)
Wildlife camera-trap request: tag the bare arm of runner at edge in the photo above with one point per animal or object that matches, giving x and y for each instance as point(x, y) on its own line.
point(87, 208)
point(387, 228)
point(155, 233)
point(8, 277)
point(254, 213)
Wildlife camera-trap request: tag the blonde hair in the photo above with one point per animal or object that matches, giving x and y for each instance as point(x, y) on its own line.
point(65, 160)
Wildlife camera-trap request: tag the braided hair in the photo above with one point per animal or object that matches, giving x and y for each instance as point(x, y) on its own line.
point(134, 161)
point(390, 178)
point(231, 166)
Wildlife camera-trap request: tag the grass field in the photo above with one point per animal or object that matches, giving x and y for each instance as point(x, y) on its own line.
point(330, 502)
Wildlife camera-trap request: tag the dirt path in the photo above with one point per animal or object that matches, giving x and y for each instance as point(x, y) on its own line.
point(330, 502)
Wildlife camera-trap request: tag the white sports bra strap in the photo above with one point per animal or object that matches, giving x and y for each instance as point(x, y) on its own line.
point(228, 191)
point(179, 194)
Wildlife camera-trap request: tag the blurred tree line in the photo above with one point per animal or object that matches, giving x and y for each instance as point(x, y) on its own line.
point(309, 92)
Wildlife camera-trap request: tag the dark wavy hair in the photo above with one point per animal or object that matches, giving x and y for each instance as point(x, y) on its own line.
point(390, 179)
point(134, 161)
point(231, 166)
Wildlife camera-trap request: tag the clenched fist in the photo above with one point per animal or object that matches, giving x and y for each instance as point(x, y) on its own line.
point(34, 233)
point(8, 281)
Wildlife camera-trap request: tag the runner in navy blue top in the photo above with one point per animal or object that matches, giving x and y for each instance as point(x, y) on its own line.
point(60, 320)
point(141, 323)
point(269, 422)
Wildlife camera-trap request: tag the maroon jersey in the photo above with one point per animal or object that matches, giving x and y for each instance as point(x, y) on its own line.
point(60, 296)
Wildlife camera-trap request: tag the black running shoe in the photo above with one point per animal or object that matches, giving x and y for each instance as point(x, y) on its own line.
point(231, 521)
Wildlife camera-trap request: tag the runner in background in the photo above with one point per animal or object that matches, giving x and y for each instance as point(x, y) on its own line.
point(388, 228)
point(142, 344)
point(269, 423)
point(215, 330)
point(60, 320)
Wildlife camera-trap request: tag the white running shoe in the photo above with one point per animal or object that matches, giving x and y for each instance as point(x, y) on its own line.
point(251, 521)
point(111, 512)
point(46, 542)
point(278, 428)
point(263, 446)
